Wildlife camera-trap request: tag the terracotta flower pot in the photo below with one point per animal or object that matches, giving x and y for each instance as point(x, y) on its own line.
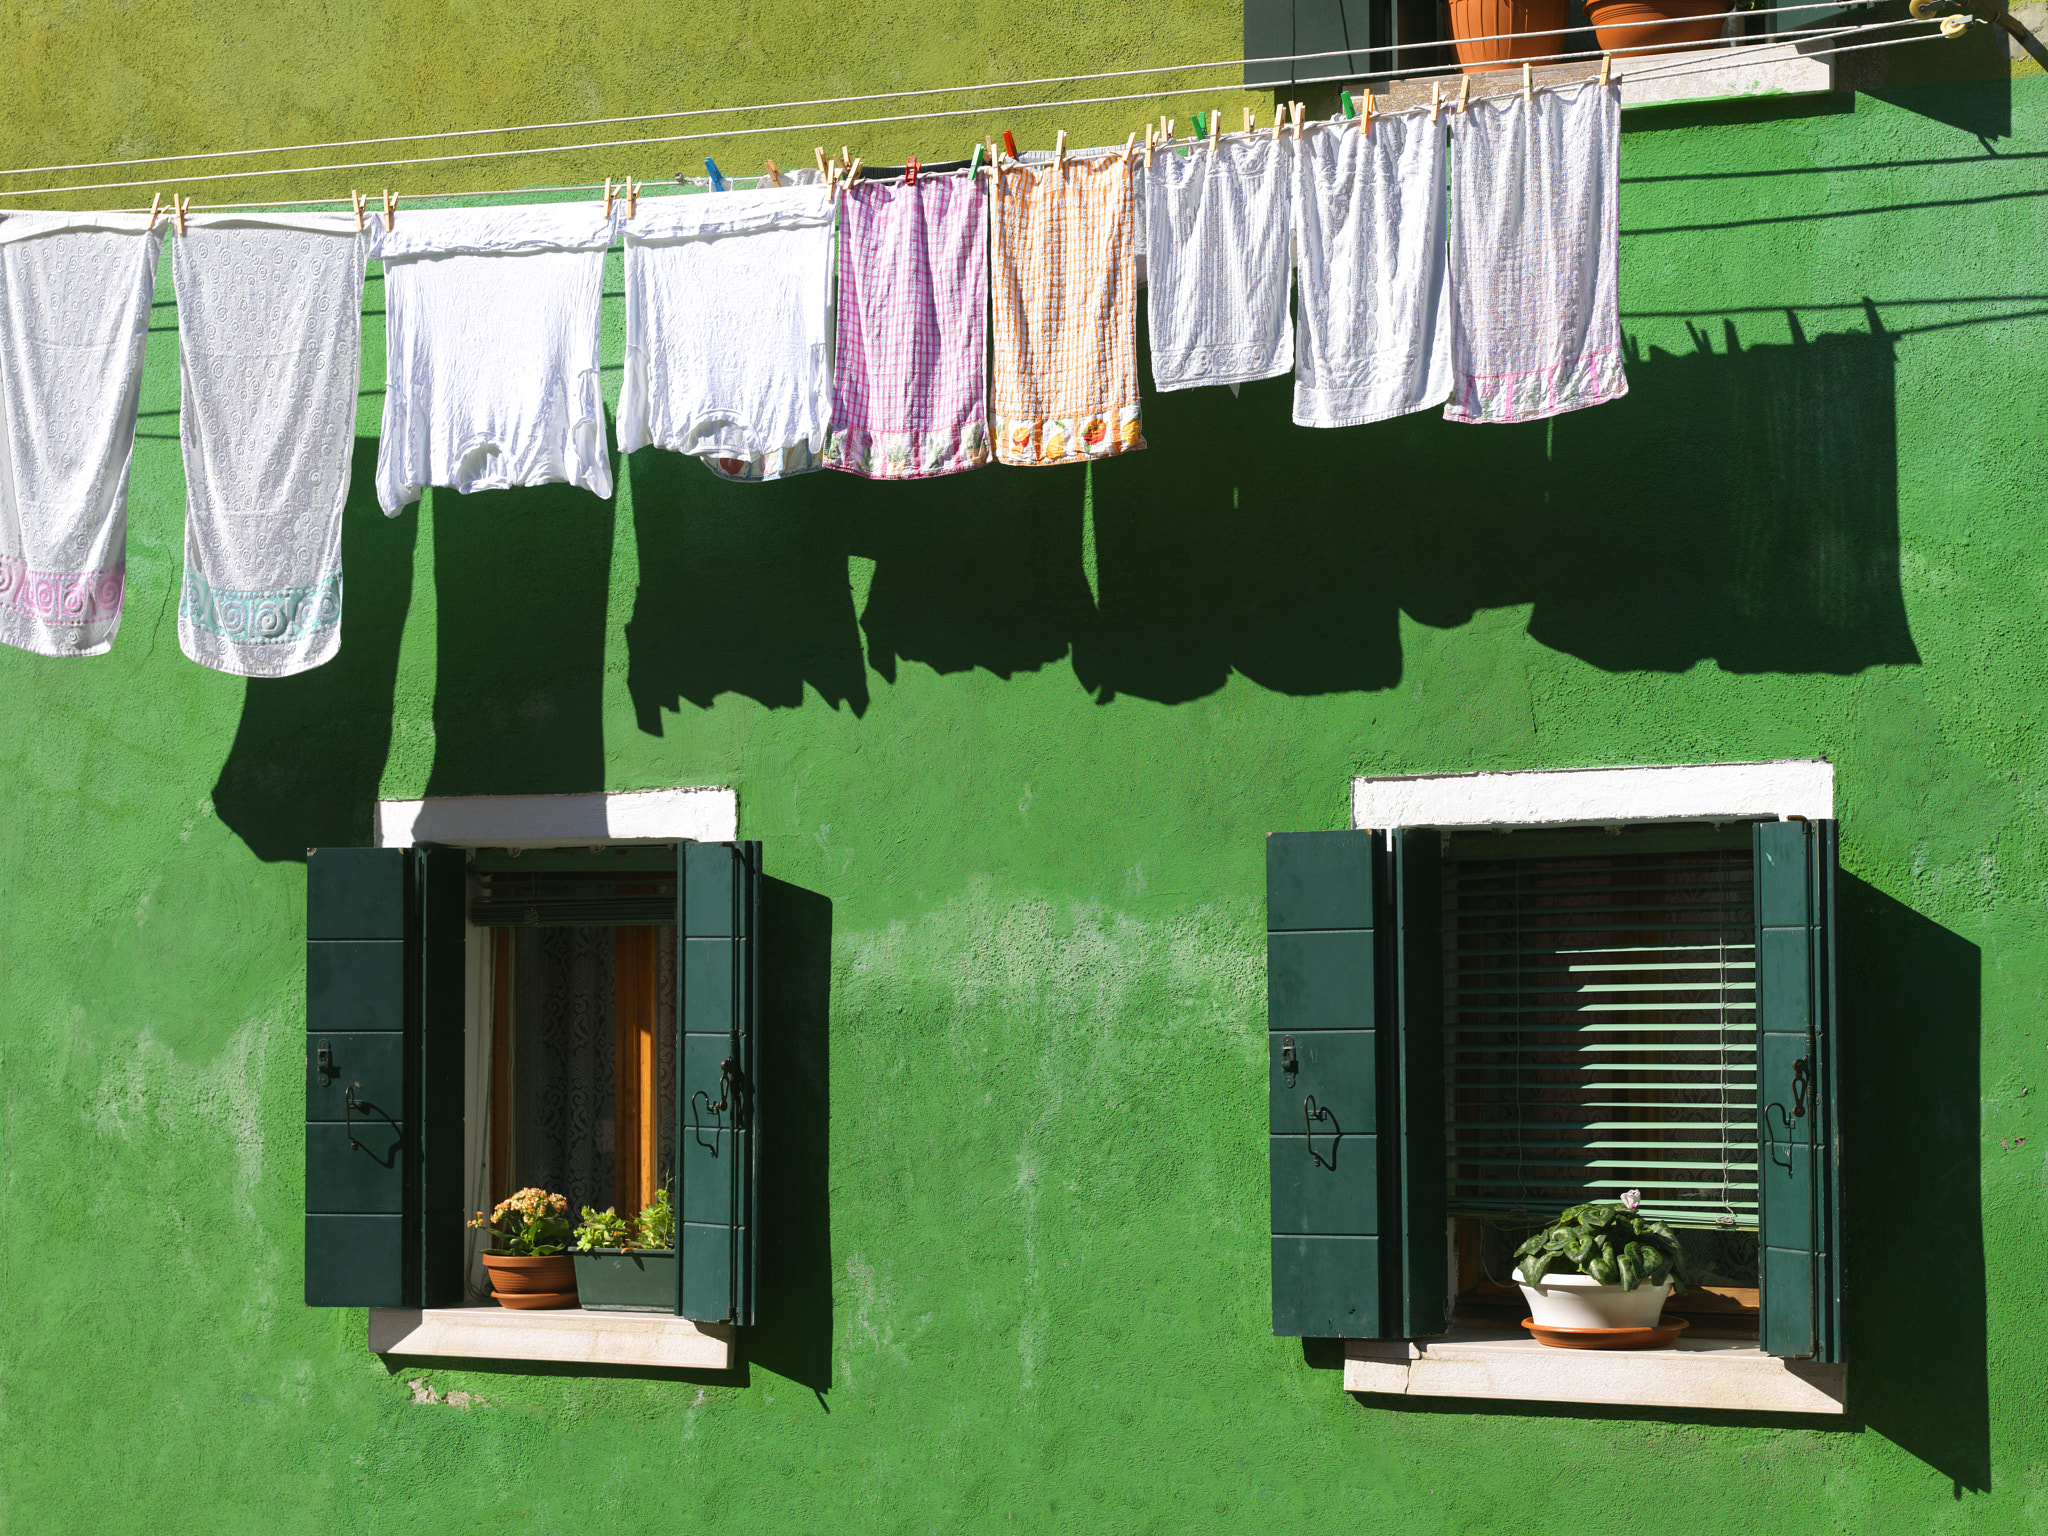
point(1654, 26)
point(1541, 21)
point(516, 1279)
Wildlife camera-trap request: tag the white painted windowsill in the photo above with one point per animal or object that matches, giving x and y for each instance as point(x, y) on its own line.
point(568, 1334)
point(1692, 1373)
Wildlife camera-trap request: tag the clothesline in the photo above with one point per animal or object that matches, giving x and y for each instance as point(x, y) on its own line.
point(1716, 59)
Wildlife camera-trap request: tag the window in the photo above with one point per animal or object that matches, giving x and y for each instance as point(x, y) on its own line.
point(398, 1004)
point(1482, 1016)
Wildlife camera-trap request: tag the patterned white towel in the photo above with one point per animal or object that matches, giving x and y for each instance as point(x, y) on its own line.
point(74, 313)
point(1535, 308)
point(270, 356)
point(1218, 262)
point(1369, 220)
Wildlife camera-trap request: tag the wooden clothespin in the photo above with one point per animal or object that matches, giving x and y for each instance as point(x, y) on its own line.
point(1465, 93)
point(845, 155)
point(1606, 68)
point(1297, 119)
point(1059, 151)
point(633, 196)
point(184, 207)
point(853, 171)
point(1130, 144)
point(607, 197)
point(1165, 128)
point(1365, 124)
point(1528, 89)
point(156, 204)
point(359, 201)
point(1279, 117)
point(820, 153)
point(1251, 121)
point(390, 209)
point(1149, 132)
point(774, 176)
point(1215, 123)
point(1436, 99)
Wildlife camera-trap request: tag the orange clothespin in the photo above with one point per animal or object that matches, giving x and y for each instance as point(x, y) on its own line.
point(1059, 151)
point(390, 209)
point(1365, 117)
point(359, 201)
point(155, 204)
point(184, 206)
point(774, 176)
point(1606, 68)
point(607, 197)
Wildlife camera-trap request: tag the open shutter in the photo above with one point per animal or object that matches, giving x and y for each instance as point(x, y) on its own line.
point(1798, 1140)
point(718, 899)
point(383, 1077)
point(1367, 29)
point(1324, 902)
point(1417, 1152)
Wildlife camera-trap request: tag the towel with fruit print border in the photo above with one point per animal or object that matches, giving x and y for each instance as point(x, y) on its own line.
point(1066, 346)
point(910, 381)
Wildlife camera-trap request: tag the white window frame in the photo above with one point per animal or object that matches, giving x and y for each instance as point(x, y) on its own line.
point(599, 819)
point(1695, 1373)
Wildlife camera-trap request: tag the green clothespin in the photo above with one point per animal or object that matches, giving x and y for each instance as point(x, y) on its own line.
point(1349, 109)
point(974, 165)
point(1200, 127)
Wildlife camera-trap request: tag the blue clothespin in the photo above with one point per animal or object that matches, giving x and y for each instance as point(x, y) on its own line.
point(718, 181)
point(1349, 109)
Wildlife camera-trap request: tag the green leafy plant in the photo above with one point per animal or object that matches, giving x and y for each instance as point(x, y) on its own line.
point(603, 1229)
point(1612, 1243)
point(658, 1222)
point(529, 1224)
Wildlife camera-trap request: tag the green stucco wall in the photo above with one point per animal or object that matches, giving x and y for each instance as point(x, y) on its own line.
point(1020, 734)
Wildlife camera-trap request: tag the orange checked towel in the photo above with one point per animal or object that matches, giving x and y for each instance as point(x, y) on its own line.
point(1066, 285)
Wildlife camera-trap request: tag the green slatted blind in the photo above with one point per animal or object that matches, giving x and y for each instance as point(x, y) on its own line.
point(1600, 1025)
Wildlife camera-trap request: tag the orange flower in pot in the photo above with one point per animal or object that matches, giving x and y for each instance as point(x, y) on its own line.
point(1499, 34)
point(528, 1261)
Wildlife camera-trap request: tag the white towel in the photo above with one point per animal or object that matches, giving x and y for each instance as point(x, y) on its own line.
point(269, 358)
point(490, 346)
point(75, 291)
point(727, 333)
point(1218, 244)
point(1535, 313)
point(1369, 219)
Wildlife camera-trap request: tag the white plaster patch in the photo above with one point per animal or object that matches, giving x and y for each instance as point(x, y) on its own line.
point(1598, 796)
point(707, 815)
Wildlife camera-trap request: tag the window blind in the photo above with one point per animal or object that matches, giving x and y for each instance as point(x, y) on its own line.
point(1600, 1027)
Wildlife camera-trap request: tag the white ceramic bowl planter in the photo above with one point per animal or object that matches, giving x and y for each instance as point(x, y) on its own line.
point(1580, 1301)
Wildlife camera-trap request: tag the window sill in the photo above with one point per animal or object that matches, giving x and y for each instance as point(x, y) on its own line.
point(1790, 68)
point(569, 1334)
point(1693, 1373)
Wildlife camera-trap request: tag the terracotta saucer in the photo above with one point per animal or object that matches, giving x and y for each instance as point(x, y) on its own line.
point(1606, 1338)
point(531, 1301)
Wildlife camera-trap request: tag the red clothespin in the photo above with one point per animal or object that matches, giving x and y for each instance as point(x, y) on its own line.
point(910, 171)
point(1009, 144)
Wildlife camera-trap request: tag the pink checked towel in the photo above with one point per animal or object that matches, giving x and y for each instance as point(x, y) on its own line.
point(1535, 316)
point(909, 388)
point(1066, 313)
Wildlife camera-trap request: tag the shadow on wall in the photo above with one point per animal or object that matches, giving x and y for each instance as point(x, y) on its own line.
point(793, 1333)
point(1740, 505)
point(309, 750)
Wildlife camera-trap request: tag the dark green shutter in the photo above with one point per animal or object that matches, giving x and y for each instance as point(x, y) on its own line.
point(1324, 903)
point(1281, 29)
point(1418, 1151)
point(718, 898)
point(1798, 1141)
point(384, 1026)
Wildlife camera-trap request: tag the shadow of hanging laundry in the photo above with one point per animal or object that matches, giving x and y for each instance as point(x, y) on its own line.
point(309, 750)
point(743, 589)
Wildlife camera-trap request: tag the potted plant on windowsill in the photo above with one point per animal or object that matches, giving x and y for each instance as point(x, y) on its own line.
point(528, 1259)
point(626, 1266)
point(1597, 1276)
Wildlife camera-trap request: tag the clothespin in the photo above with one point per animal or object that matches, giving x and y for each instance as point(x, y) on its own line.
point(390, 209)
point(820, 153)
point(974, 165)
point(607, 197)
point(1059, 151)
point(1165, 128)
point(1129, 145)
point(774, 176)
point(354, 197)
point(910, 171)
point(717, 180)
point(1606, 67)
point(853, 171)
point(1196, 119)
point(1436, 99)
point(1149, 131)
point(1279, 117)
point(1528, 90)
point(1465, 93)
point(157, 202)
point(1350, 107)
point(1215, 122)
point(633, 196)
point(1251, 121)
point(845, 155)
point(1297, 119)
point(1365, 125)
point(1009, 144)
point(184, 205)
